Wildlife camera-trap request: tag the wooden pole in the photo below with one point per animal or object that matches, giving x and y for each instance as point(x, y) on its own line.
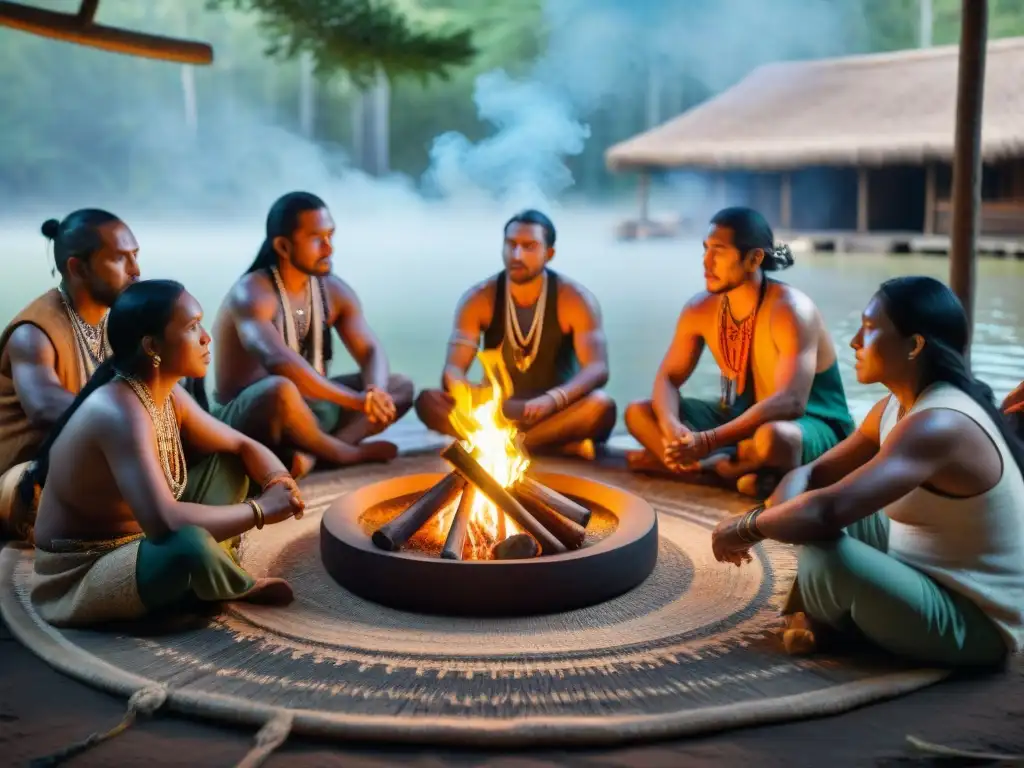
point(79, 28)
point(863, 208)
point(967, 152)
point(786, 201)
point(929, 198)
point(643, 192)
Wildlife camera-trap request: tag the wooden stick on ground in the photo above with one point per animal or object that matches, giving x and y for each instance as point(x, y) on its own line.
point(456, 541)
point(470, 468)
point(394, 534)
point(565, 506)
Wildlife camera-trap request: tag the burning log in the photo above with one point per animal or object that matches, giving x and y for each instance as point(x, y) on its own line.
point(456, 541)
point(532, 489)
point(565, 530)
point(522, 546)
point(391, 536)
point(470, 469)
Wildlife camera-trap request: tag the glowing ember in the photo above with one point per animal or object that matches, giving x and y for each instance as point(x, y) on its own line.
point(495, 443)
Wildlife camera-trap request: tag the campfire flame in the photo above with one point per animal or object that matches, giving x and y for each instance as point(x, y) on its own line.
point(495, 443)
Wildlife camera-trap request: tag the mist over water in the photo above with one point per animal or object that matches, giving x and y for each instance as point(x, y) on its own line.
point(411, 246)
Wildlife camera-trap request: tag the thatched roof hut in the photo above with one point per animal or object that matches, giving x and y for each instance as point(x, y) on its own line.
point(876, 109)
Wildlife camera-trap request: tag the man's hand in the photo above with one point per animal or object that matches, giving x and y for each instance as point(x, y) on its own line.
point(675, 437)
point(538, 409)
point(378, 406)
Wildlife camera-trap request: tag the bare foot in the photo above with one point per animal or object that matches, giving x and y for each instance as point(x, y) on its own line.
point(377, 451)
point(269, 591)
point(302, 464)
point(578, 449)
point(645, 461)
point(798, 635)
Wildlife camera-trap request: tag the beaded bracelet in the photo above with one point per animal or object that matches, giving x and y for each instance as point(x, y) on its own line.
point(275, 478)
point(257, 513)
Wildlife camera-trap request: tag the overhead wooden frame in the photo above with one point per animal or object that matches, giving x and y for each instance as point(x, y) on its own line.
point(79, 28)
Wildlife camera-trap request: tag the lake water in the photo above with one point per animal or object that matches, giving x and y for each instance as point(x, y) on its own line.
point(410, 268)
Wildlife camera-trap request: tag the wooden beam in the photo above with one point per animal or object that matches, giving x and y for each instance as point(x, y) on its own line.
point(862, 200)
point(78, 28)
point(930, 196)
point(967, 152)
point(786, 201)
point(644, 194)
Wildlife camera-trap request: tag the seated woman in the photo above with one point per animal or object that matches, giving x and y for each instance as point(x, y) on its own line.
point(124, 526)
point(937, 573)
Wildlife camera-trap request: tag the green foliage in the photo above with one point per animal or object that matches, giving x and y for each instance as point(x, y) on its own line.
point(357, 37)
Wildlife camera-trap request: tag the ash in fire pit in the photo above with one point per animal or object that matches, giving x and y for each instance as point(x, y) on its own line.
point(535, 542)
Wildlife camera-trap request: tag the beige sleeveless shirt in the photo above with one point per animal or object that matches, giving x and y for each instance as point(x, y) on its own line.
point(973, 546)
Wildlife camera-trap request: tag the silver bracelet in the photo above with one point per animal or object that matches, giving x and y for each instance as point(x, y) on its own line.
point(460, 340)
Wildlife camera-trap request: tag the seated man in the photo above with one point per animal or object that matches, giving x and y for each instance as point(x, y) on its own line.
point(912, 528)
point(273, 336)
point(782, 402)
point(125, 527)
point(50, 349)
point(557, 366)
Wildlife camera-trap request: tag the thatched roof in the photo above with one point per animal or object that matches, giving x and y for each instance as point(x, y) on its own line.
point(870, 109)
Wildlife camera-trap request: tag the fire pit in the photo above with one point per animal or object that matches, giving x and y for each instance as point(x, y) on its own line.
point(492, 536)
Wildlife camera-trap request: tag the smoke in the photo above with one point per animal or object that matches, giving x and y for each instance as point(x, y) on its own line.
point(600, 55)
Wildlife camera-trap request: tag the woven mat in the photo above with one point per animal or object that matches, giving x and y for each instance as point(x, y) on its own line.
point(693, 649)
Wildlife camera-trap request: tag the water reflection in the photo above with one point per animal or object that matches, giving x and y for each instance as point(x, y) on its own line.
point(410, 268)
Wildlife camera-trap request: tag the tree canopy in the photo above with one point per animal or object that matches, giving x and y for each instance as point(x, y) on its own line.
point(358, 37)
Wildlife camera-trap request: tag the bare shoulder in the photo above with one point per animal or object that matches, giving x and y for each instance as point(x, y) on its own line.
point(480, 296)
point(109, 410)
point(936, 432)
point(792, 302)
point(577, 299)
point(342, 299)
point(699, 305)
point(28, 343)
point(252, 294)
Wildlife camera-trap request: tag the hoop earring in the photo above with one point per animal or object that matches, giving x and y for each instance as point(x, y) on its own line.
point(156, 361)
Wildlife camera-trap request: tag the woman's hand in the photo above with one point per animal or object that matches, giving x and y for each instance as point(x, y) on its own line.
point(732, 538)
point(281, 501)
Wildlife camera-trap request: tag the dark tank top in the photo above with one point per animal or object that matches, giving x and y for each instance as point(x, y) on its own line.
point(556, 361)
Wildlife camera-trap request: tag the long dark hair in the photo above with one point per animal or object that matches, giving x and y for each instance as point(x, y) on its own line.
point(282, 221)
point(142, 309)
point(927, 307)
point(751, 230)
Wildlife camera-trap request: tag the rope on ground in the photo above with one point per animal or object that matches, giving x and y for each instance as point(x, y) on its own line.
point(272, 735)
point(143, 702)
point(941, 751)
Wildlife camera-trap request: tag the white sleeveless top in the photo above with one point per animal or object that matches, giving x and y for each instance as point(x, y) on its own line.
point(973, 546)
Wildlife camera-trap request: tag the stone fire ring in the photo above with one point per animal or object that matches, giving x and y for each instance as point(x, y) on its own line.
point(547, 584)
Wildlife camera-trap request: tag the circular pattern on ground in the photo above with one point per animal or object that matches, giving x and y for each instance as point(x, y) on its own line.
point(684, 652)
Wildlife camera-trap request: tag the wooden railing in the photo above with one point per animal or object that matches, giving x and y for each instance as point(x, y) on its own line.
point(997, 217)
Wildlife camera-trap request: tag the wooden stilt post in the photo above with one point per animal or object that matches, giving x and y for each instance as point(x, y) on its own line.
point(786, 201)
point(967, 152)
point(929, 198)
point(863, 207)
point(644, 194)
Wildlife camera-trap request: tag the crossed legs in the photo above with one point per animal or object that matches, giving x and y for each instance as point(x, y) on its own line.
point(274, 412)
point(573, 430)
